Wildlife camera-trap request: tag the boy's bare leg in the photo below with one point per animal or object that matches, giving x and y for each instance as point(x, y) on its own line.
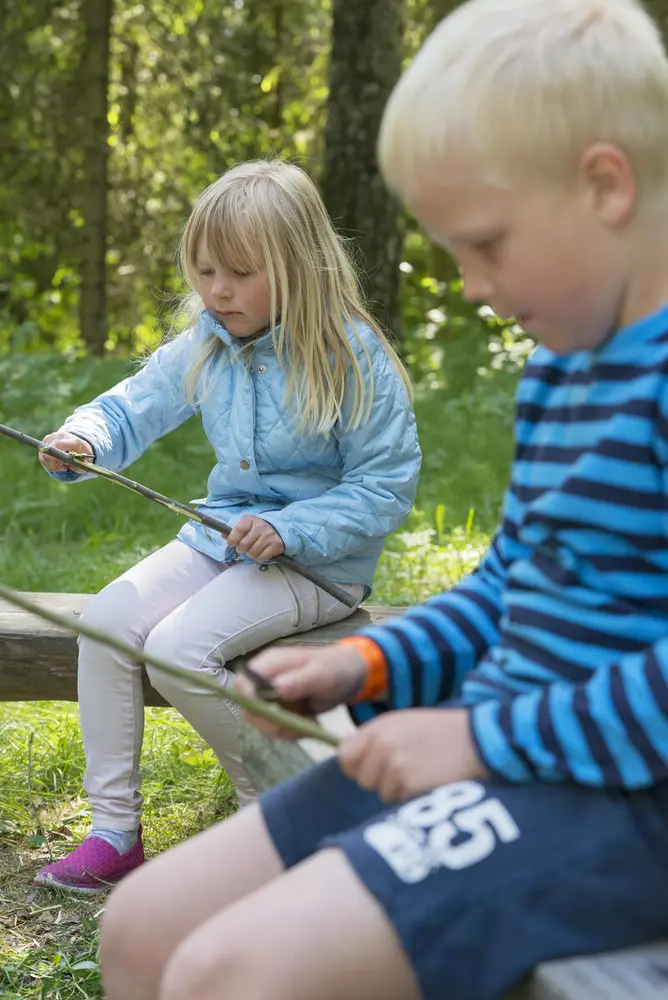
point(154, 909)
point(315, 933)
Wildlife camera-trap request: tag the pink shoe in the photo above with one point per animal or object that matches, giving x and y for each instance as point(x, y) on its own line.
point(95, 866)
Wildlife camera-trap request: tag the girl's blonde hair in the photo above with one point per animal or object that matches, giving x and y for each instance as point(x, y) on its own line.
point(268, 214)
point(517, 89)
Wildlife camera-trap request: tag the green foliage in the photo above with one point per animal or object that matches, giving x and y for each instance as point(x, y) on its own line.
point(194, 88)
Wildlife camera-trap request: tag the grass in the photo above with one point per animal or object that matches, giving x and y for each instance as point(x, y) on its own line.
point(76, 538)
point(48, 941)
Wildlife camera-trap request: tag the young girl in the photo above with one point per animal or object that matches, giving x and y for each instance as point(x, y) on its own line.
point(306, 407)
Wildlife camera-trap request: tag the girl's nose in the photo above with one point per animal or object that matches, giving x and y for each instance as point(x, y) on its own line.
point(221, 287)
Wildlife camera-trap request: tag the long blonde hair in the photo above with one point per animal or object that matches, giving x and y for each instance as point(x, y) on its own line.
point(269, 214)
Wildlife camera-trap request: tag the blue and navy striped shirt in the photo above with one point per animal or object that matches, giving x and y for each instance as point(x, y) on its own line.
point(559, 641)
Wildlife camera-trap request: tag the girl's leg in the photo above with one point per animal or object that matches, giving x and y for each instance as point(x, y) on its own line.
point(111, 707)
point(236, 612)
point(159, 905)
point(111, 702)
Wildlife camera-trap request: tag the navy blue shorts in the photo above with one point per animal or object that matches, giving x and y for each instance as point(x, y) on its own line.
point(481, 881)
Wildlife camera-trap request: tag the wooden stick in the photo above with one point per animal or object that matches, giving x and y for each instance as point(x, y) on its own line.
point(302, 727)
point(183, 509)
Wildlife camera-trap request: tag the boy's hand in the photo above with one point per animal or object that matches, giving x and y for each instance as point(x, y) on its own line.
point(407, 753)
point(254, 537)
point(308, 679)
point(66, 442)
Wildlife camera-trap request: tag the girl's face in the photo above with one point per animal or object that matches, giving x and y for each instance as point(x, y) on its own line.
point(241, 302)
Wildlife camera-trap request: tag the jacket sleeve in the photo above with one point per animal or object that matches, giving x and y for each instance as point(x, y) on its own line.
point(380, 464)
point(431, 648)
point(122, 422)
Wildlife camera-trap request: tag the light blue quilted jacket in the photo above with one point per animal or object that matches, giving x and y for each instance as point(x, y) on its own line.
point(333, 499)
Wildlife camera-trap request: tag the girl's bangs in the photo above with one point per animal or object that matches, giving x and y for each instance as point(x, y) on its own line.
point(231, 237)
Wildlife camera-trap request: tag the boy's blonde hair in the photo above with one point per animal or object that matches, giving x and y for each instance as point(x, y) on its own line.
point(517, 90)
point(268, 214)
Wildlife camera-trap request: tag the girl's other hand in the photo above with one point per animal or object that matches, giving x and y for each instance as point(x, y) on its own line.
point(254, 537)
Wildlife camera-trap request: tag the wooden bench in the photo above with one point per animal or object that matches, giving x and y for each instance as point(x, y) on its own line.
point(38, 663)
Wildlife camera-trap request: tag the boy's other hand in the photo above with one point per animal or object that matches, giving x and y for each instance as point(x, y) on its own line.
point(254, 537)
point(403, 754)
point(308, 680)
point(65, 442)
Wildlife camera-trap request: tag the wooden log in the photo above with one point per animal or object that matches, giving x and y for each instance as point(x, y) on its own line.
point(38, 660)
point(633, 974)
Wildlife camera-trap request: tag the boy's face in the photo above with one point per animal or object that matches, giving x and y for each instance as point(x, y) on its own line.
point(534, 255)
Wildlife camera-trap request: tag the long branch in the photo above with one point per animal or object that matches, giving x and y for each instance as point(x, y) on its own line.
point(302, 727)
point(183, 509)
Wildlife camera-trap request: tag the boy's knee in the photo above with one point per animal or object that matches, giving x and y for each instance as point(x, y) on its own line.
point(227, 972)
point(122, 945)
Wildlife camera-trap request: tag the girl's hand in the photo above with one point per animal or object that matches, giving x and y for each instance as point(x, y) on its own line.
point(308, 680)
point(404, 754)
point(254, 537)
point(66, 442)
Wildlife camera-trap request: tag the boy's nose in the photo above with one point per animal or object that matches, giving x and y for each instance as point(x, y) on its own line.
point(476, 288)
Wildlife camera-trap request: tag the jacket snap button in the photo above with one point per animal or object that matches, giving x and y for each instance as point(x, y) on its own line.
point(244, 463)
point(262, 369)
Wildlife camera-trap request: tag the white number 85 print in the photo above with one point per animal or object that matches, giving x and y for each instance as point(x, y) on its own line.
point(420, 836)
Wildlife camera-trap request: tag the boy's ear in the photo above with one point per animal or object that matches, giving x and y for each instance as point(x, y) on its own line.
point(608, 177)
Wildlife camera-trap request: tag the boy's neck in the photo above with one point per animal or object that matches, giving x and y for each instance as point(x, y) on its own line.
point(646, 291)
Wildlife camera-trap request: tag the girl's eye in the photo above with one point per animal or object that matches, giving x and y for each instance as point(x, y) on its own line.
point(205, 273)
point(241, 274)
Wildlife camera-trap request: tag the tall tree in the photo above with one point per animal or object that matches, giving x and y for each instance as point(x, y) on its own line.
point(659, 11)
point(366, 57)
point(96, 16)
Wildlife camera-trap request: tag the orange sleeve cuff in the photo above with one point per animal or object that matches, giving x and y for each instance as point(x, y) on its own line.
point(377, 674)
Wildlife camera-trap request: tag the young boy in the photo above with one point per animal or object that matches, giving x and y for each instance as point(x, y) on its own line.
point(531, 139)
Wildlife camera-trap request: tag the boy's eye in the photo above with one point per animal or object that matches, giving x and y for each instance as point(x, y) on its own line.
point(489, 248)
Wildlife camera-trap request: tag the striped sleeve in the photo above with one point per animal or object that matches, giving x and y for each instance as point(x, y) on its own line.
point(431, 648)
point(610, 731)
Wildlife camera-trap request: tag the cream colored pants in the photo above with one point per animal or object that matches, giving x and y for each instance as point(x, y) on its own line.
point(189, 609)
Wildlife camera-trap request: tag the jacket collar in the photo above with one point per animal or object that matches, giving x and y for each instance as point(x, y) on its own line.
point(235, 344)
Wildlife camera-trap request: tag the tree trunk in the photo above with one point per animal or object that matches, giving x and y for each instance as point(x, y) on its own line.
point(96, 16)
point(367, 48)
point(440, 9)
point(659, 11)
